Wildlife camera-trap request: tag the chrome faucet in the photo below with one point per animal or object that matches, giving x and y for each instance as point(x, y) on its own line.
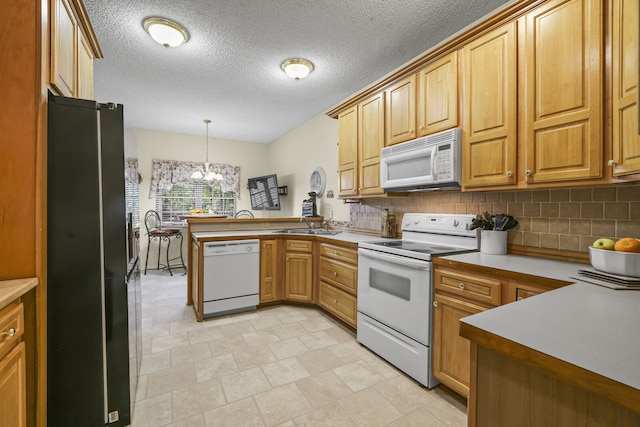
point(326, 225)
point(311, 224)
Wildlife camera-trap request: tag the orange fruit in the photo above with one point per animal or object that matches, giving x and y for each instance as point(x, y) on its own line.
point(627, 244)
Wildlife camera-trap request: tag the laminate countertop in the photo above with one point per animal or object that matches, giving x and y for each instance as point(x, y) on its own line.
point(10, 290)
point(591, 327)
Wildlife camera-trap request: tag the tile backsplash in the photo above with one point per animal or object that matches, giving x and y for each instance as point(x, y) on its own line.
point(566, 219)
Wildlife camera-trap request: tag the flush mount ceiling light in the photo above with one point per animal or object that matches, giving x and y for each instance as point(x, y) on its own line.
point(165, 31)
point(297, 68)
point(208, 174)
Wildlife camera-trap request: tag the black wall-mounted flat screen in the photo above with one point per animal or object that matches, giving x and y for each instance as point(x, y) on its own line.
point(263, 192)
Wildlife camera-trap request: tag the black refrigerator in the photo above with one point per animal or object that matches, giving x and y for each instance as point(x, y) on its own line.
point(88, 381)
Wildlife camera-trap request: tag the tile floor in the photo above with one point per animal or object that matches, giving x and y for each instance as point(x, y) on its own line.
point(279, 366)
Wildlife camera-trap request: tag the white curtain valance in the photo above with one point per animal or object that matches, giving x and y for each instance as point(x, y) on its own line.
point(167, 173)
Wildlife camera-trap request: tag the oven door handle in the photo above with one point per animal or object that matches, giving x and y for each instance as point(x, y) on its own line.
point(407, 262)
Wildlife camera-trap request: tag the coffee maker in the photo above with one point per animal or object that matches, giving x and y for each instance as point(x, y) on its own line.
point(309, 206)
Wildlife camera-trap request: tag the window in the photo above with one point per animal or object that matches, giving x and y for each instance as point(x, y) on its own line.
point(132, 201)
point(171, 204)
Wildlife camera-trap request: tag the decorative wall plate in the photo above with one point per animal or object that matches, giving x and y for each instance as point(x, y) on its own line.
point(318, 181)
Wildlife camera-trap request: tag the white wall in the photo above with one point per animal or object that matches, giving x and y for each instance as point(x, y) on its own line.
point(292, 157)
point(296, 154)
point(252, 158)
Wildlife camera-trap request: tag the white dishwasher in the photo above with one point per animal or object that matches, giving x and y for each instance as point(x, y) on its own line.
point(231, 276)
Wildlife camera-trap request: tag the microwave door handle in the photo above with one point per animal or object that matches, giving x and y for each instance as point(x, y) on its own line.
point(434, 172)
point(407, 262)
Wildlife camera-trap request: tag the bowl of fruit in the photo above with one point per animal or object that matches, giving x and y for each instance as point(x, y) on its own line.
point(620, 257)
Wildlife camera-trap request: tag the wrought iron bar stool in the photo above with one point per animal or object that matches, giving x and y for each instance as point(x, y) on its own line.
point(155, 232)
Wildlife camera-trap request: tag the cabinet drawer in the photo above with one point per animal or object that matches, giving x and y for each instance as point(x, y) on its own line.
point(342, 275)
point(339, 303)
point(299, 245)
point(522, 293)
point(471, 287)
point(339, 253)
point(11, 326)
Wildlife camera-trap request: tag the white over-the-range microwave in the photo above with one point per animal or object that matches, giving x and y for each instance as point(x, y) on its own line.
point(432, 162)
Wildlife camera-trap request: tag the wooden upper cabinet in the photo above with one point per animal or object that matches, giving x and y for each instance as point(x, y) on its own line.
point(438, 95)
point(489, 109)
point(63, 48)
point(73, 49)
point(400, 111)
point(562, 87)
point(370, 142)
point(85, 68)
point(624, 52)
point(348, 152)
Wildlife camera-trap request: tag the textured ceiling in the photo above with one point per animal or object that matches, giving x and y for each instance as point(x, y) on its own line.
point(229, 70)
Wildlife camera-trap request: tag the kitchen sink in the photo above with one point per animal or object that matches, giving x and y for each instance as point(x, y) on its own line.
point(310, 231)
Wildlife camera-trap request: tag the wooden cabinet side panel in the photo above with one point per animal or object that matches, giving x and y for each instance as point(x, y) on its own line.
point(625, 69)
point(489, 109)
point(85, 68)
point(510, 393)
point(563, 91)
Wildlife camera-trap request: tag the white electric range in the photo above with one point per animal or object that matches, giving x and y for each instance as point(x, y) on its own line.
point(395, 288)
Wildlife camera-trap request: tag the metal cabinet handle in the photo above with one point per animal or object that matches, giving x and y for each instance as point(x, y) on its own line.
point(509, 173)
point(435, 303)
point(611, 163)
point(527, 172)
point(461, 285)
point(335, 274)
point(520, 298)
point(11, 332)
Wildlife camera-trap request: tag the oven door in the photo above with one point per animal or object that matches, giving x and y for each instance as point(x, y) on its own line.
point(396, 291)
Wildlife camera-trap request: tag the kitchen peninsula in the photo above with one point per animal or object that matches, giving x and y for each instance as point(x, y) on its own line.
point(312, 265)
point(569, 356)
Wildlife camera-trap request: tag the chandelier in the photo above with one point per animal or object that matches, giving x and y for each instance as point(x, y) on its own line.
point(207, 174)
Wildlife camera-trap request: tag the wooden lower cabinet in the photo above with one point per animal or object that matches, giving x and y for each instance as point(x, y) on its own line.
point(339, 303)
point(460, 292)
point(452, 353)
point(298, 270)
point(339, 282)
point(268, 270)
point(13, 394)
point(457, 294)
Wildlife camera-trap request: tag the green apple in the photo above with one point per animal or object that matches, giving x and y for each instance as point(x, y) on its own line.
point(606, 244)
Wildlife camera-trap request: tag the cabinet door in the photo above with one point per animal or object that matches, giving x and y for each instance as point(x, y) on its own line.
point(489, 134)
point(451, 352)
point(370, 142)
point(13, 402)
point(624, 52)
point(348, 152)
point(268, 269)
point(400, 111)
point(298, 276)
point(562, 87)
point(85, 68)
point(63, 48)
point(438, 95)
